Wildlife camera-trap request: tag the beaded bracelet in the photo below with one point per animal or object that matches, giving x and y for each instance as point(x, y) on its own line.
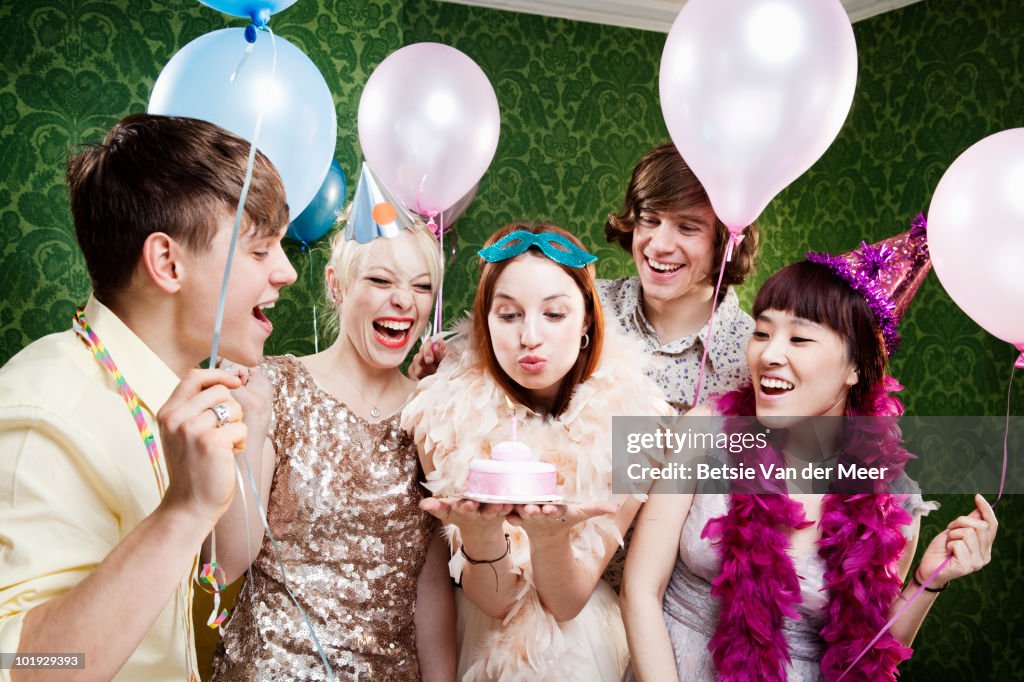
point(489, 562)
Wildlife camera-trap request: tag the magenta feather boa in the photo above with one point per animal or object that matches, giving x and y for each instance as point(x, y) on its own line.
point(861, 543)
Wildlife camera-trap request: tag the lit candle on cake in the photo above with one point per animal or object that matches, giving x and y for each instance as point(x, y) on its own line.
point(515, 421)
point(513, 473)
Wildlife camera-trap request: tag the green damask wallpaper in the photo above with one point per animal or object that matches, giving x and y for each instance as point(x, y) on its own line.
point(579, 107)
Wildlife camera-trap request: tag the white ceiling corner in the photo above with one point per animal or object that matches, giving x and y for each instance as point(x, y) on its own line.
point(650, 15)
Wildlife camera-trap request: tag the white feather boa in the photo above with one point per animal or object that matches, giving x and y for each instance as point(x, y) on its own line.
point(459, 413)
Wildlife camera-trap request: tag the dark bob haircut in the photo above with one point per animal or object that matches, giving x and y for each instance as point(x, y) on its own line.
point(813, 292)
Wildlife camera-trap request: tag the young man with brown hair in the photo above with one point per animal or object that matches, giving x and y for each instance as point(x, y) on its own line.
point(668, 225)
point(115, 451)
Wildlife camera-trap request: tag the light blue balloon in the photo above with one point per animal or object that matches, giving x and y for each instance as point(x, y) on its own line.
point(219, 77)
point(249, 8)
point(323, 211)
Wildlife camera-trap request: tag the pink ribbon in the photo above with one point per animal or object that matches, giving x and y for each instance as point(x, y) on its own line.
point(899, 612)
point(735, 239)
point(439, 231)
point(1002, 482)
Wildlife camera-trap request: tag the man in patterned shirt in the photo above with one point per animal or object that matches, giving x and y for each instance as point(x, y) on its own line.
point(677, 242)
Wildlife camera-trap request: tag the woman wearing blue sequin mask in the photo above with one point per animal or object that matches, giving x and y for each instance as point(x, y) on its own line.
point(532, 604)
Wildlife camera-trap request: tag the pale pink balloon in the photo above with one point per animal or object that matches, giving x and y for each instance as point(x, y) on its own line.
point(428, 125)
point(976, 233)
point(456, 210)
point(753, 93)
point(450, 215)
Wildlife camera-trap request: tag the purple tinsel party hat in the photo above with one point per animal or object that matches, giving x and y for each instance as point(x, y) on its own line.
point(887, 274)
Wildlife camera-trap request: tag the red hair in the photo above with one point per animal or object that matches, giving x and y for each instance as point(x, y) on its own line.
point(588, 358)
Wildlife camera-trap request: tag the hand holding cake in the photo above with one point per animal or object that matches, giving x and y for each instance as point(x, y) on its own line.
point(465, 513)
point(543, 520)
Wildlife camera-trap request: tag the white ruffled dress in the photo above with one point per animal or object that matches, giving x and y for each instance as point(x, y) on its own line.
point(459, 414)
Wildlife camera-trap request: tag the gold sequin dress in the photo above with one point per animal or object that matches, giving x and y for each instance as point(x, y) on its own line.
point(344, 511)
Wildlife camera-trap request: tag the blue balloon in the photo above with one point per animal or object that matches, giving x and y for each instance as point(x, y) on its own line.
point(257, 10)
point(214, 78)
point(321, 213)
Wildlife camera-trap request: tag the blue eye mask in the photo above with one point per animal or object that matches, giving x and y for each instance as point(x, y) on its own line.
point(554, 246)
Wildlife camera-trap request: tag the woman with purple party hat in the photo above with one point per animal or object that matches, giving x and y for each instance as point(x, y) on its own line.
point(767, 584)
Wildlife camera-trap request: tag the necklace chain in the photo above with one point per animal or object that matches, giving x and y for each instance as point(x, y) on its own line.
point(374, 411)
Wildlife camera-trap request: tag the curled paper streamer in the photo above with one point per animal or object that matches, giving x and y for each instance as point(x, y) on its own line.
point(212, 581)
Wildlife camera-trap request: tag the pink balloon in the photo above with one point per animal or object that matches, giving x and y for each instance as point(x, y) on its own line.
point(455, 211)
point(428, 125)
point(753, 93)
point(976, 233)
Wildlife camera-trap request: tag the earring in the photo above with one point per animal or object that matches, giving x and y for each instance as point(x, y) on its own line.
point(585, 343)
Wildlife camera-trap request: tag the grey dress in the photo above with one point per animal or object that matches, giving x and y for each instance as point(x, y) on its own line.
point(691, 612)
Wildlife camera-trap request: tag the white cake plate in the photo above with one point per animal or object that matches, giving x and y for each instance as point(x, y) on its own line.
point(512, 499)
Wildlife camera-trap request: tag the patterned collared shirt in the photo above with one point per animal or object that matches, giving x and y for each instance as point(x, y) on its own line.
point(678, 362)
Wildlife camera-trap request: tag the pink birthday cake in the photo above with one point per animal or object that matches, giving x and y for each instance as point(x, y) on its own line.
point(513, 473)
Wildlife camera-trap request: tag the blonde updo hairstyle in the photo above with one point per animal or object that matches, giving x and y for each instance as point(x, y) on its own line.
point(349, 258)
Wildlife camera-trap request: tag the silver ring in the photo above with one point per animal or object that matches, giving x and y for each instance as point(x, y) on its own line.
point(562, 518)
point(223, 414)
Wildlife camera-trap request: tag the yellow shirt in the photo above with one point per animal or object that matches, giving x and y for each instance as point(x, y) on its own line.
point(75, 479)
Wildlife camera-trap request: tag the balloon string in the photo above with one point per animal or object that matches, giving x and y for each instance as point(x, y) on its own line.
point(234, 240)
point(312, 288)
point(240, 208)
point(280, 563)
point(216, 339)
point(241, 63)
point(885, 628)
point(439, 231)
point(734, 240)
point(928, 581)
point(440, 285)
point(1006, 431)
point(210, 570)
